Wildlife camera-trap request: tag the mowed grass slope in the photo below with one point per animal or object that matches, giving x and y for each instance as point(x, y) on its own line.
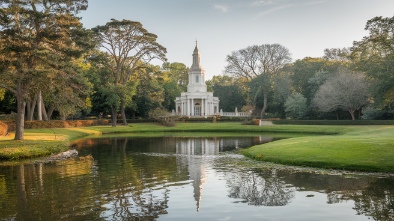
point(40, 142)
point(364, 148)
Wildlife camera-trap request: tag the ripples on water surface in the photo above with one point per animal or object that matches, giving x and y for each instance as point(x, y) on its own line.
point(184, 178)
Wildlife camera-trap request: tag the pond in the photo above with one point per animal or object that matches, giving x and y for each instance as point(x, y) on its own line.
point(185, 178)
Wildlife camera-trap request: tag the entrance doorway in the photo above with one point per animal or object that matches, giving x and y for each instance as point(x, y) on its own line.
point(197, 109)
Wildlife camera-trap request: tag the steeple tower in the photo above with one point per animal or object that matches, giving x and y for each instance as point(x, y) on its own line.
point(196, 101)
point(196, 59)
point(196, 74)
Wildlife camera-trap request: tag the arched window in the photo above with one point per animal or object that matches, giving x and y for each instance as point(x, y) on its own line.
point(197, 79)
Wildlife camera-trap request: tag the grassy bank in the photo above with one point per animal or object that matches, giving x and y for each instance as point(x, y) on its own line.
point(367, 148)
point(39, 142)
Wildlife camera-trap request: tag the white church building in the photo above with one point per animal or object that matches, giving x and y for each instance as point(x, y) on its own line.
point(197, 102)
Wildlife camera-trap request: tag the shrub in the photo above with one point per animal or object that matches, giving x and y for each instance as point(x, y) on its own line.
point(8, 117)
point(248, 122)
point(162, 116)
point(376, 114)
point(256, 122)
point(3, 129)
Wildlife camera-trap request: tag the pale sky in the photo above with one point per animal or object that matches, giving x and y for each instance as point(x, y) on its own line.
point(305, 27)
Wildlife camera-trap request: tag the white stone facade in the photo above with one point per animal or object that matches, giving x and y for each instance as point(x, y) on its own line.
point(197, 102)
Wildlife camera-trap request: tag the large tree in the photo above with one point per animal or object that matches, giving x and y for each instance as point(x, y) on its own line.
point(150, 93)
point(346, 91)
point(230, 91)
point(175, 77)
point(374, 55)
point(37, 37)
point(264, 62)
point(128, 46)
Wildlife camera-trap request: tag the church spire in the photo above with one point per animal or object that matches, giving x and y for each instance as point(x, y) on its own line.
point(196, 58)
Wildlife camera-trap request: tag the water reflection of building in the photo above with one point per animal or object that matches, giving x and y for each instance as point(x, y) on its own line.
point(192, 150)
point(188, 150)
point(198, 146)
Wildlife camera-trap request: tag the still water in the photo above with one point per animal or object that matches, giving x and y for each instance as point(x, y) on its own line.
point(184, 178)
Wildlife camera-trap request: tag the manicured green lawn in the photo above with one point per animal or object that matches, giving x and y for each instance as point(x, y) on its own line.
point(39, 142)
point(366, 148)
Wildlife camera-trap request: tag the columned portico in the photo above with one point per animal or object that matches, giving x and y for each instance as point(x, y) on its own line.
point(197, 102)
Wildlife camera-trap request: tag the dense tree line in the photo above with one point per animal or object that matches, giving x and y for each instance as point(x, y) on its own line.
point(53, 68)
point(346, 83)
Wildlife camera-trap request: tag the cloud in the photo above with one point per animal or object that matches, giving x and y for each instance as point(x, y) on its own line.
point(222, 8)
point(315, 2)
point(274, 9)
point(263, 2)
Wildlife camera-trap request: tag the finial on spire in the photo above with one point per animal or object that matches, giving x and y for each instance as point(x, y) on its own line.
point(196, 42)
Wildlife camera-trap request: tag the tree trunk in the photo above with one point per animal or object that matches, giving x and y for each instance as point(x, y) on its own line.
point(352, 114)
point(39, 105)
point(265, 94)
point(44, 112)
point(30, 108)
point(122, 112)
point(337, 112)
point(114, 117)
point(20, 118)
point(50, 112)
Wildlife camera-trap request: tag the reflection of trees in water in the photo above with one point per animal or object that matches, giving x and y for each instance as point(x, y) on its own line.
point(377, 200)
point(126, 204)
point(115, 186)
point(373, 197)
point(259, 189)
point(135, 189)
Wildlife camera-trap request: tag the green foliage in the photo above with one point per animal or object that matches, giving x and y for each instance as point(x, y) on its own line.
point(2, 93)
point(171, 91)
point(39, 41)
point(8, 104)
point(374, 55)
point(296, 106)
point(150, 93)
point(177, 73)
point(230, 92)
point(371, 113)
point(128, 48)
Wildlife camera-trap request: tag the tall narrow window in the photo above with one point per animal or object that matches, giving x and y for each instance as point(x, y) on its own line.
point(197, 79)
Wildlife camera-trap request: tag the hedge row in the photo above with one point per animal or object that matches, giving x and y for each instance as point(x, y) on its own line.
point(3, 129)
point(211, 119)
point(130, 121)
point(335, 122)
point(56, 124)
